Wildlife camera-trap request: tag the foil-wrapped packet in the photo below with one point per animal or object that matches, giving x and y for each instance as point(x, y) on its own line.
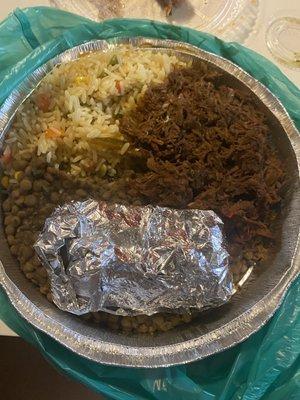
point(130, 260)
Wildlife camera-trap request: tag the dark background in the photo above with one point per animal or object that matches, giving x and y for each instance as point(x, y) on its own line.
point(25, 374)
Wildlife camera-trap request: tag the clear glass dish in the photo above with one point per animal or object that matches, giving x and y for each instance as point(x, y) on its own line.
point(228, 19)
point(283, 38)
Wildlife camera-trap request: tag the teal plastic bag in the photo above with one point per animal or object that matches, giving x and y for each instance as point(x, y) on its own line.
point(266, 366)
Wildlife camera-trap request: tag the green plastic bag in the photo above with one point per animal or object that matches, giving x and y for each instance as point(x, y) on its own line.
point(266, 366)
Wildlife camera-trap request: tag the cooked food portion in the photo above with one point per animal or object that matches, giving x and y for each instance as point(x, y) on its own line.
point(207, 147)
point(142, 127)
point(73, 117)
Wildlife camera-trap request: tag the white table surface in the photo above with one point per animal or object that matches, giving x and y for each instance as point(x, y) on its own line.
point(256, 41)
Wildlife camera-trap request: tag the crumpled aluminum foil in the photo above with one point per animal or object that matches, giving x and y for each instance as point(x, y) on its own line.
point(130, 260)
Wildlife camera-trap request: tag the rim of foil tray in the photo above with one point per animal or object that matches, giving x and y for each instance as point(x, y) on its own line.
point(188, 343)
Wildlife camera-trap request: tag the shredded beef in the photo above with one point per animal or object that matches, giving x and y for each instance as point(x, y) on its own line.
point(207, 146)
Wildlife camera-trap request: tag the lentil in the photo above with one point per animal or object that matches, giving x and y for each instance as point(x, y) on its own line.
point(25, 185)
point(30, 200)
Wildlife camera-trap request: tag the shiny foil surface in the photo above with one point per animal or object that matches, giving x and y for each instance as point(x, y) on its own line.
point(131, 260)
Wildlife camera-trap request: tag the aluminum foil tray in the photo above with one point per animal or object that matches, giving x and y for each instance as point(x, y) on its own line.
point(212, 331)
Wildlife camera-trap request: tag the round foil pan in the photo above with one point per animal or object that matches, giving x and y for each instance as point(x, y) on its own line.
point(214, 330)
